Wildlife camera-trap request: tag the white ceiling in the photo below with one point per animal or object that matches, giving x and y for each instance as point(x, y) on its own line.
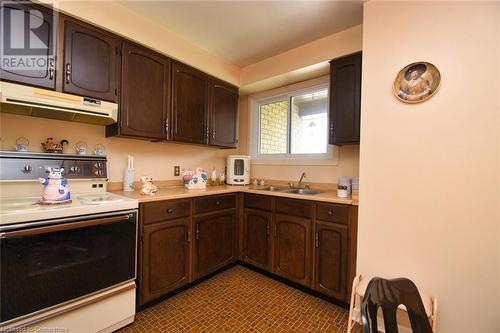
point(245, 32)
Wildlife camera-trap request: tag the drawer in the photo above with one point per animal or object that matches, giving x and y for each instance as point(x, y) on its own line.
point(214, 203)
point(262, 202)
point(165, 210)
point(332, 213)
point(294, 207)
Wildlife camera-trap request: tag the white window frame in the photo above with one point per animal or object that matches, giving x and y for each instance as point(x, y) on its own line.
point(280, 94)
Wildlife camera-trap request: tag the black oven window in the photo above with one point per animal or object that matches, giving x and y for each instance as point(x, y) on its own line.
point(40, 270)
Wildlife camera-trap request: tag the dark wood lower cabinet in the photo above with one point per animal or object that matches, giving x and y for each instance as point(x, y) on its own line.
point(187, 239)
point(257, 239)
point(165, 258)
point(214, 245)
point(330, 256)
point(293, 248)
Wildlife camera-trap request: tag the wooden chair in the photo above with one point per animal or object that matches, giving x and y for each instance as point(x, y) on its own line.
point(390, 295)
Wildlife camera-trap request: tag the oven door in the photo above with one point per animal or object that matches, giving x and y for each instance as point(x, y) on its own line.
point(44, 266)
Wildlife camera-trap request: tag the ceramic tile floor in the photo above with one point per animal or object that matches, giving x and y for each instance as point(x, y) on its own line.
point(241, 300)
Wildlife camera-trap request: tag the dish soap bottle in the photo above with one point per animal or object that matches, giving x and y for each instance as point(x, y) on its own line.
point(129, 175)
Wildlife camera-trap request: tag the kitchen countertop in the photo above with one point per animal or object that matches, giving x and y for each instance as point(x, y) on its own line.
point(179, 192)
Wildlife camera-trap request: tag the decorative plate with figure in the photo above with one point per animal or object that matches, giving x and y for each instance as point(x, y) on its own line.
point(417, 82)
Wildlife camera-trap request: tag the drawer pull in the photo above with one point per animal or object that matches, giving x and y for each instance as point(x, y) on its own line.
point(330, 212)
point(218, 203)
point(170, 211)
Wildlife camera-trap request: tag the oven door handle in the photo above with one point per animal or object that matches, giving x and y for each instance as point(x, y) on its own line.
point(66, 226)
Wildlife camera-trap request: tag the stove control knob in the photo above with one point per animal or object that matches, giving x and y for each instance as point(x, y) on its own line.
point(27, 169)
point(98, 165)
point(98, 173)
point(74, 169)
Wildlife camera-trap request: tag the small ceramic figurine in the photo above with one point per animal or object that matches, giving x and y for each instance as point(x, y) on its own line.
point(148, 188)
point(194, 179)
point(222, 178)
point(56, 189)
point(214, 177)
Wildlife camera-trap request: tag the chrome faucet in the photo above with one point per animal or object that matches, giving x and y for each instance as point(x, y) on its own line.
point(301, 178)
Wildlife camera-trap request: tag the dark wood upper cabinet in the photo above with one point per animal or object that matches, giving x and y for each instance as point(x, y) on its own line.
point(331, 255)
point(165, 258)
point(345, 99)
point(293, 248)
point(190, 89)
point(90, 61)
point(223, 114)
point(18, 42)
point(257, 238)
point(145, 93)
point(214, 245)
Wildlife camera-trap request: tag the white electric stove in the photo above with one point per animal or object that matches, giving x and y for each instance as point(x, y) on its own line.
point(64, 264)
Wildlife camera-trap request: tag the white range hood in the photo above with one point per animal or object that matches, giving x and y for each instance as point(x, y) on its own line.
point(36, 102)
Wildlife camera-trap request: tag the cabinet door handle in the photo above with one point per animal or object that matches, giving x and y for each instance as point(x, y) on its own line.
point(170, 211)
point(213, 134)
point(51, 68)
point(267, 229)
point(331, 127)
point(166, 125)
point(316, 241)
point(197, 232)
point(188, 236)
point(68, 73)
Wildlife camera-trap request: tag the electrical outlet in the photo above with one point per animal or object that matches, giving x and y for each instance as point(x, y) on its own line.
point(177, 170)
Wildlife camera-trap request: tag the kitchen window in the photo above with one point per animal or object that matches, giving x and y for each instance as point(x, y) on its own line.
point(292, 126)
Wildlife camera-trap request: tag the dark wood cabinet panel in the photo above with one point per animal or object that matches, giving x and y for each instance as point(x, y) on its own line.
point(214, 245)
point(293, 248)
point(158, 211)
point(223, 114)
point(90, 61)
point(190, 89)
point(345, 99)
point(257, 239)
point(294, 207)
point(145, 93)
point(165, 258)
point(332, 213)
point(261, 202)
point(331, 253)
point(214, 203)
point(41, 45)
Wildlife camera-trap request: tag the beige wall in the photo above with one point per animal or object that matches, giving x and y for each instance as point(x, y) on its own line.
point(429, 206)
point(154, 159)
point(123, 21)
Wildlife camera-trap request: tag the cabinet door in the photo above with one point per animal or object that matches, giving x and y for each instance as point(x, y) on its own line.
point(145, 93)
point(19, 46)
point(256, 238)
point(345, 99)
point(189, 105)
point(214, 245)
point(223, 114)
point(90, 62)
point(330, 269)
point(165, 258)
point(293, 248)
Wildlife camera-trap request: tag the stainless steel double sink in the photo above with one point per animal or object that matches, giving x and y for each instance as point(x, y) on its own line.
point(306, 191)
